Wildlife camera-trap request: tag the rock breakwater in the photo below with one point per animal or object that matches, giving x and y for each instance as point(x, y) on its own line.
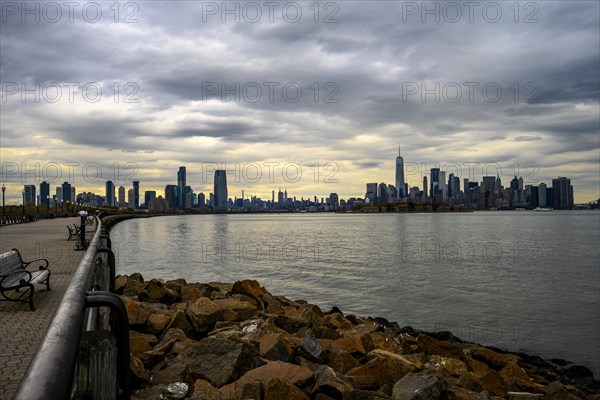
point(222, 341)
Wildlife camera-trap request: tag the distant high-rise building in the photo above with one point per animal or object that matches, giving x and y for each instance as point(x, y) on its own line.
point(211, 200)
point(541, 200)
point(66, 191)
point(425, 195)
point(400, 185)
point(59, 197)
point(73, 195)
point(181, 178)
point(534, 195)
point(110, 193)
point(371, 193)
point(121, 199)
point(131, 198)
point(201, 200)
point(563, 193)
point(136, 195)
point(489, 184)
point(170, 196)
point(44, 193)
point(383, 193)
point(29, 195)
point(514, 184)
point(149, 195)
point(220, 187)
point(334, 203)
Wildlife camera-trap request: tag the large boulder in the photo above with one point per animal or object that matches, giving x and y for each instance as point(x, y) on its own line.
point(203, 314)
point(290, 373)
point(156, 291)
point(219, 361)
point(276, 347)
point(382, 368)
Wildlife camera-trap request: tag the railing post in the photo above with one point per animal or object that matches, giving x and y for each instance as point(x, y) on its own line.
point(120, 328)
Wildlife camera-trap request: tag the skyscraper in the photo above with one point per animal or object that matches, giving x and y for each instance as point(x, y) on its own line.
point(110, 193)
point(425, 188)
point(201, 200)
point(181, 178)
point(170, 195)
point(542, 195)
point(563, 193)
point(220, 188)
point(400, 186)
point(136, 195)
point(121, 198)
point(66, 192)
point(149, 195)
point(44, 193)
point(29, 195)
point(130, 198)
point(371, 193)
point(334, 203)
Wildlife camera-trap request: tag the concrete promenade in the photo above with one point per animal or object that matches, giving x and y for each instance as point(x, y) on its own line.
point(20, 329)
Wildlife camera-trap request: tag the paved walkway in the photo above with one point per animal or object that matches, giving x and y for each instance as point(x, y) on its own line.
point(20, 329)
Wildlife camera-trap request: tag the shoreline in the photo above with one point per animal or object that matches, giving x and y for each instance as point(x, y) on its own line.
point(236, 340)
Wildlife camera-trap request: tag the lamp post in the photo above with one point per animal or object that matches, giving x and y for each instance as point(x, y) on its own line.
point(3, 190)
point(23, 193)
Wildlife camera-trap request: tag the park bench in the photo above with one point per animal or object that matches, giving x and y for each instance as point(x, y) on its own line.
point(14, 276)
point(73, 232)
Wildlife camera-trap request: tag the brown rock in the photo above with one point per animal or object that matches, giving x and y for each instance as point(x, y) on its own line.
point(133, 288)
point(180, 347)
point(442, 348)
point(382, 368)
point(137, 314)
point(557, 391)
point(180, 322)
point(293, 374)
point(289, 324)
point(156, 291)
point(278, 389)
point(329, 382)
point(120, 283)
point(493, 383)
point(336, 321)
point(385, 341)
point(458, 393)
point(203, 390)
point(448, 367)
point(275, 346)
point(178, 372)
point(249, 288)
point(353, 345)
point(311, 314)
point(242, 309)
point(140, 342)
point(493, 359)
point(517, 380)
point(190, 294)
point(362, 329)
point(158, 321)
point(140, 376)
point(251, 390)
point(176, 285)
point(341, 361)
point(203, 314)
point(221, 287)
point(359, 394)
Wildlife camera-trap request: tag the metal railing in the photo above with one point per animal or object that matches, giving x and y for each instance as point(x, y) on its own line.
point(60, 369)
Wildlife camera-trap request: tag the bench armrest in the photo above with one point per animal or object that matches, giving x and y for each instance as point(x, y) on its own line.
point(42, 260)
point(21, 281)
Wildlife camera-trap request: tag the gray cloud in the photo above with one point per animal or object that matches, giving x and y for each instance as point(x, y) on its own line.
point(368, 57)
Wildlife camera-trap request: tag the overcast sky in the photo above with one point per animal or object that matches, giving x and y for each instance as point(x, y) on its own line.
point(342, 84)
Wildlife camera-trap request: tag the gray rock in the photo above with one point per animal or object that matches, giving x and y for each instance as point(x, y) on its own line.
point(220, 361)
point(312, 349)
point(418, 387)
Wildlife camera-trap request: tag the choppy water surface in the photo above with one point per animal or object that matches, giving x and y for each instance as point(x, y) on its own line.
point(519, 280)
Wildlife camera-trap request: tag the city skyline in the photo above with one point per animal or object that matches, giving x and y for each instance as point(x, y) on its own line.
point(388, 82)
